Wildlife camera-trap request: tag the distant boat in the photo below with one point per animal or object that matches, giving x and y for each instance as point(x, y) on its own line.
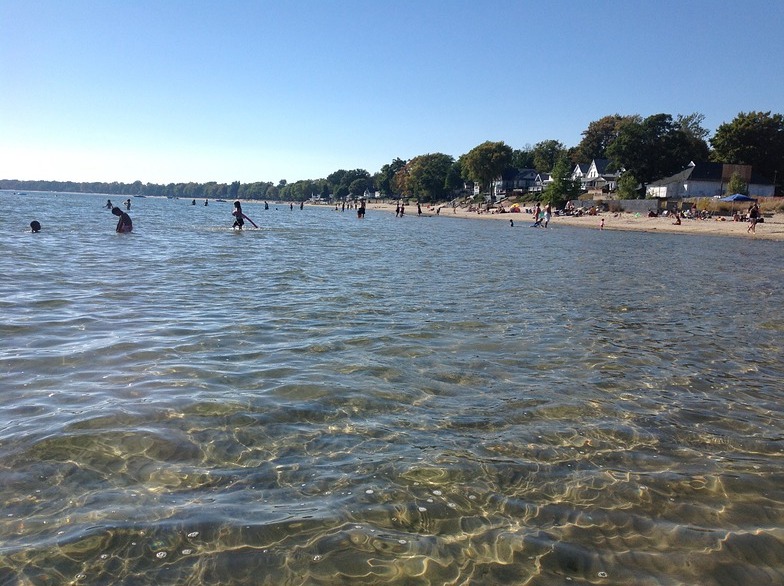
point(139, 196)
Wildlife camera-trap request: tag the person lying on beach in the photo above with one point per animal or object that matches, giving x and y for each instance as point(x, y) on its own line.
point(124, 224)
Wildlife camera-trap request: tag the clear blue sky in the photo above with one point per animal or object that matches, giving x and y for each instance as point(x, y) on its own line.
point(172, 90)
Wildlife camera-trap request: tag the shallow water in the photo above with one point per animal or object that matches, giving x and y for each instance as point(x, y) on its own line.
point(400, 401)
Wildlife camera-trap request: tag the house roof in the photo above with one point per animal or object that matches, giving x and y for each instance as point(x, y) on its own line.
point(704, 172)
point(601, 165)
point(511, 174)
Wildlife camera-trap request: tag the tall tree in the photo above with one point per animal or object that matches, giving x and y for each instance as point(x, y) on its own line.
point(454, 178)
point(563, 187)
point(599, 135)
point(697, 135)
point(756, 139)
point(484, 163)
point(737, 185)
point(359, 186)
point(628, 187)
point(385, 177)
point(523, 158)
point(546, 155)
point(428, 175)
point(652, 148)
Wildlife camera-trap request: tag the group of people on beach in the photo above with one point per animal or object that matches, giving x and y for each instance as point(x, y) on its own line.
point(542, 216)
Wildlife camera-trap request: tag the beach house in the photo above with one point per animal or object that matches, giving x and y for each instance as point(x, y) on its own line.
point(595, 177)
point(708, 180)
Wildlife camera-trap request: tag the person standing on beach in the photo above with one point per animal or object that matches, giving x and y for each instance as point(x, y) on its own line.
point(753, 218)
point(124, 224)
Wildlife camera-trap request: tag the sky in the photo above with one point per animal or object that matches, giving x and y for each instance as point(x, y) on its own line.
point(169, 91)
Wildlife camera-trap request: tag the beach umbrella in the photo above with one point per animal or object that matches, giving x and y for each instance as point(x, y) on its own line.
point(737, 197)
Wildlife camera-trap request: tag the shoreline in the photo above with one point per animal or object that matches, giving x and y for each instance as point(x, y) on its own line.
point(771, 229)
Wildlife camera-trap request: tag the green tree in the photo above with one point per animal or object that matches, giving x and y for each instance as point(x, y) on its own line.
point(628, 186)
point(653, 148)
point(563, 187)
point(599, 135)
point(756, 139)
point(484, 163)
point(737, 185)
point(428, 176)
point(523, 158)
point(454, 179)
point(359, 186)
point(337, 179)
point(234, 190)
point(697, 135)
point(385, 177)
point(546, 155)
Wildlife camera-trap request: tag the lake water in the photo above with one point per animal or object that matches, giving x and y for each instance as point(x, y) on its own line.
point(387, 401)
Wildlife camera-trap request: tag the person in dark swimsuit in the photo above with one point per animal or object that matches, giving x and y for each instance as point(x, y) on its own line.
point(239, 218)
point(124, 224)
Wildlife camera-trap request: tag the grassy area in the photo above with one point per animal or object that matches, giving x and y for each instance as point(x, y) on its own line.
point(768, 205)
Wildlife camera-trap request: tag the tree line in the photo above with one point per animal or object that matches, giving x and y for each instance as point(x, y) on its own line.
point(645, 149)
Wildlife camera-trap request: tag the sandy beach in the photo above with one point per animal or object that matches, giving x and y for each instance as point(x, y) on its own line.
point(771, 229)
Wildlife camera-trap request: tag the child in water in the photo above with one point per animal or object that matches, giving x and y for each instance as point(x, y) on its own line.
point(239, 220)
point(124, 224)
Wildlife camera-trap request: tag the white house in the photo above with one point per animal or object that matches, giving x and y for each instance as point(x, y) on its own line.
point(541, 182)
point(594, 176)
point(708, 180)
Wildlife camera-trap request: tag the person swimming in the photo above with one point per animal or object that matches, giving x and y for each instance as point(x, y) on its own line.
point(35, 226)
point(124, 224)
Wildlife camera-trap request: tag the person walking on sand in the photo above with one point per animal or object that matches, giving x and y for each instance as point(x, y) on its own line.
point(753, 218)
point(601, 224)
point(124, 224)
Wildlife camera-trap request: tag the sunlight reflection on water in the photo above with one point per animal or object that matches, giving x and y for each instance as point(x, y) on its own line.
point(415, 401)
